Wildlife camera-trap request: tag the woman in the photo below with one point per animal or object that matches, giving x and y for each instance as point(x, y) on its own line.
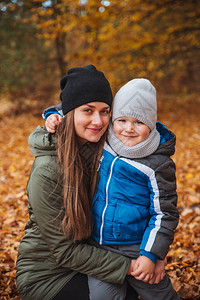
point(60, 190)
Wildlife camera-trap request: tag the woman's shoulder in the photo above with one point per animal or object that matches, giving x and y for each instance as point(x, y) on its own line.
point(42, 143)
point(45, 167)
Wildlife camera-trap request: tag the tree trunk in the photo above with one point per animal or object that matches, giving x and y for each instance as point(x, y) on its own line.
point(60, 53)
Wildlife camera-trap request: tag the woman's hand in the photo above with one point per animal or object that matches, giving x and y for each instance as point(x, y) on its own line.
point(130, 270)
point(143, 269)
point(158, 274)
point(52, 122)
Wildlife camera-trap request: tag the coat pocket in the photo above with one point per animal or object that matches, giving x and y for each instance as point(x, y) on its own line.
point(129, 223)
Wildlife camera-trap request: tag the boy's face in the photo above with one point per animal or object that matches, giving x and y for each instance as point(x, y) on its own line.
point(130, 131)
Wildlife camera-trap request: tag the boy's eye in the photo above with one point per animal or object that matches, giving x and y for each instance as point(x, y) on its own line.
point(139, 122)
point(122, 120)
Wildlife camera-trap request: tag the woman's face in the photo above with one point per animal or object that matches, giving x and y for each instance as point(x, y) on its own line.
point(91, 121)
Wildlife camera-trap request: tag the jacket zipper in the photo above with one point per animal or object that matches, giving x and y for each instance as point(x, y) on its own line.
point(104, 211)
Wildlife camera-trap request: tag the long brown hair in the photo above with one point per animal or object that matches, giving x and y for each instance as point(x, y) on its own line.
point(77, 196)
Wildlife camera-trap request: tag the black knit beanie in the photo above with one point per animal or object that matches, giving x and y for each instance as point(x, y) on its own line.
point(84, 85)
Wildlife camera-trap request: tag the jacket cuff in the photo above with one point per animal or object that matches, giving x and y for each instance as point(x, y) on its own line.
point(46, 114)
point(150, 255)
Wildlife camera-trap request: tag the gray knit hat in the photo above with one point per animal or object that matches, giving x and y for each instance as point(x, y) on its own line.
point(136, 99)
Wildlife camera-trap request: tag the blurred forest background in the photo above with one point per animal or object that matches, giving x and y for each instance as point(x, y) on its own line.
point(40, 40)
point(126, 39)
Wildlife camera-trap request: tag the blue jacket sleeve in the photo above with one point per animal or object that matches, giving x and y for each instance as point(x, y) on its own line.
point(164, 215)
point(55, 109)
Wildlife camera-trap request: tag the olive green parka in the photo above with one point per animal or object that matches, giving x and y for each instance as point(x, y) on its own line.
point(46, 259)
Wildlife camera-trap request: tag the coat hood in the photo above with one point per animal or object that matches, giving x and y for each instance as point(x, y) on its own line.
point(42, 143)
point(167, 140)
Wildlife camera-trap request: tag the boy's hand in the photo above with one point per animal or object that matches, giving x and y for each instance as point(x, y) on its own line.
point(159, 272)
point(143, 269)
point(52, 122)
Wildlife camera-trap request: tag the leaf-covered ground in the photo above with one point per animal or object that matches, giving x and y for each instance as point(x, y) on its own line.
point(181, 116)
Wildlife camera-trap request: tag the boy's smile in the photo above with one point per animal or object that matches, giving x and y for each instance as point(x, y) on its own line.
point(130, 131)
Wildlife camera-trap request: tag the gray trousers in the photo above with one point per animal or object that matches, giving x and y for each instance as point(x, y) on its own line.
point(100, 290)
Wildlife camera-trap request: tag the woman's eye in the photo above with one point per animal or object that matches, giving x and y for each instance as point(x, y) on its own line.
point(105, 112)
point(87, 110)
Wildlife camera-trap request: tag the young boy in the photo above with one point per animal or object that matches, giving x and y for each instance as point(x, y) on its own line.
point(134, 210)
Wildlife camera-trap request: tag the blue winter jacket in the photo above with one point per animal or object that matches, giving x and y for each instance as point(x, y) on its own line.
point(136, 199)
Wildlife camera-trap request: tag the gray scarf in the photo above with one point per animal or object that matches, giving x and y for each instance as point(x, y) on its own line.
point(143, 149)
